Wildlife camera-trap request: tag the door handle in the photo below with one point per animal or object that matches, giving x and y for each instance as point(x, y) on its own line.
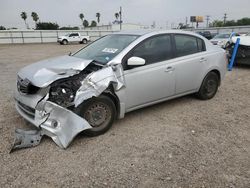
point(169, 69)
point(202, 60)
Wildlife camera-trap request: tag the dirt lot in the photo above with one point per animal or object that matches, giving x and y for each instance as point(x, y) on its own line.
point(181, 143)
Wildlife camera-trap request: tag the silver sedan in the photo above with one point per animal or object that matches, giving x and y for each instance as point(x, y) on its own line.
point(116, 74)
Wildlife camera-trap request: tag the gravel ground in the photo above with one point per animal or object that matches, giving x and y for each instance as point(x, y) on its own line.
point(180, 143)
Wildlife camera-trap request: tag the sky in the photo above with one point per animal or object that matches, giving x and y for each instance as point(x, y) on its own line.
point(145, 12)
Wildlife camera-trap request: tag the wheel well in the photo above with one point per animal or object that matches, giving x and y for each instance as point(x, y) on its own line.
point(218, 74)
point(109, 92)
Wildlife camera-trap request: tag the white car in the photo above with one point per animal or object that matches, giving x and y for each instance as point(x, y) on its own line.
point(112, 76)
point(73, 37)
point(223, 39)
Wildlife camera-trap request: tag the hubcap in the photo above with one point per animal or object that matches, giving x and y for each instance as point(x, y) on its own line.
point(211, 86)
point(98, 114)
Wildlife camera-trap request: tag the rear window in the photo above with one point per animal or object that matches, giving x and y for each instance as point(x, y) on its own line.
point(187, 45)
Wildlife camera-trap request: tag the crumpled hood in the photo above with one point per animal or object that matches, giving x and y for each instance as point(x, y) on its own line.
point(244, 40)
point(44, 72)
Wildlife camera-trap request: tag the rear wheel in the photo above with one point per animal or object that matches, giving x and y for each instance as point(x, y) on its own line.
point(100, 112)
point(65, 42)
point(209, 86)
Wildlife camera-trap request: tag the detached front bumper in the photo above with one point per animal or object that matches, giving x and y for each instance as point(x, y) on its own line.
point(59, 123)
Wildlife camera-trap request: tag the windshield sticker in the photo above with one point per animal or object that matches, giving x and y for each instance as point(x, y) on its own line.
point(110, 50)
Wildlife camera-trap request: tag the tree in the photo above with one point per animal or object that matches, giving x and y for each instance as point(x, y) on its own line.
point(69, 28)
point(85, 23)
point(47, 26)
point(81, 16)
point(35, 17)
point(230, 23)
point(117, 15)
point(217, 23)
point(240, 22)
point(2, 27)
point(98, 15)
point(243, 21)
point(93, 24)
point(24, 17)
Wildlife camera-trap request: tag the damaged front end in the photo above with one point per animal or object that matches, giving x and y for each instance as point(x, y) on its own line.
point(50, 106)
point(243, 53)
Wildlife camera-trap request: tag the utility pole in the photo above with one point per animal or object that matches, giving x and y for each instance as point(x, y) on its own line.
point(186, 21)
point(120, 18)
point(207, 19)
point(225, 18)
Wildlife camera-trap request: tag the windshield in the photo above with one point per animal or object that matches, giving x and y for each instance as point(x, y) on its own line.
point(222, 36)
point(106, 48)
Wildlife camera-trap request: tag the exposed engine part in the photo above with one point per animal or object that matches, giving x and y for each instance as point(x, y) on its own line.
point(63, 91)
point(25, 139)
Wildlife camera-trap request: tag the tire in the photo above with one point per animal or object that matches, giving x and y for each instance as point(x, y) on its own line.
point(65, 42)
point(209, 86)
point(84, 41)
point(100, 112)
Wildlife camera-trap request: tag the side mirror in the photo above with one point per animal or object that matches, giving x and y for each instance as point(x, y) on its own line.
point(135, 61)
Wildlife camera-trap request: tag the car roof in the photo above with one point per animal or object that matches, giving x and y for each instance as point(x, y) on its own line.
point(142, 32)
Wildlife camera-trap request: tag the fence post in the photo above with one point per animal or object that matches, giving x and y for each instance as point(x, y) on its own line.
point(22, 36)
point(41, 36)
point(11, 37)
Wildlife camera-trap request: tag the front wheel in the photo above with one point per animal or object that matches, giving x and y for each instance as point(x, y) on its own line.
point(209, 86)
point(100, 112)
point(84, 41)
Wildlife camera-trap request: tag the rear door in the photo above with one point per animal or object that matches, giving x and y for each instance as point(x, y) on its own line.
point(190, 65)
point(156, 79)
point(74, 37)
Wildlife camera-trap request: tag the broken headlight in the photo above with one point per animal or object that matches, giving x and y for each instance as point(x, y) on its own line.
point(62, 92)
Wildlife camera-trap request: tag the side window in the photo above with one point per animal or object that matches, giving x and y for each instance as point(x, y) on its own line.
point(74, 35)
point(187, 45)
point(154, 50)
point(201, 45)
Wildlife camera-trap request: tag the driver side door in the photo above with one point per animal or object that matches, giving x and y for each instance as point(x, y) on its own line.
point(153, 81)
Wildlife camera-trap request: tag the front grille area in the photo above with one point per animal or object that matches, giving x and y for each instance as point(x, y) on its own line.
point(26, 87)
point(27, 110)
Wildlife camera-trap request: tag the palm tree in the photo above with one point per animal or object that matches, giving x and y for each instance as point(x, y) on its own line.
point(117, 15)
point(35, 17)
point(98, 15)
point(24, 17)
point(81, 16)
point(85, 23)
